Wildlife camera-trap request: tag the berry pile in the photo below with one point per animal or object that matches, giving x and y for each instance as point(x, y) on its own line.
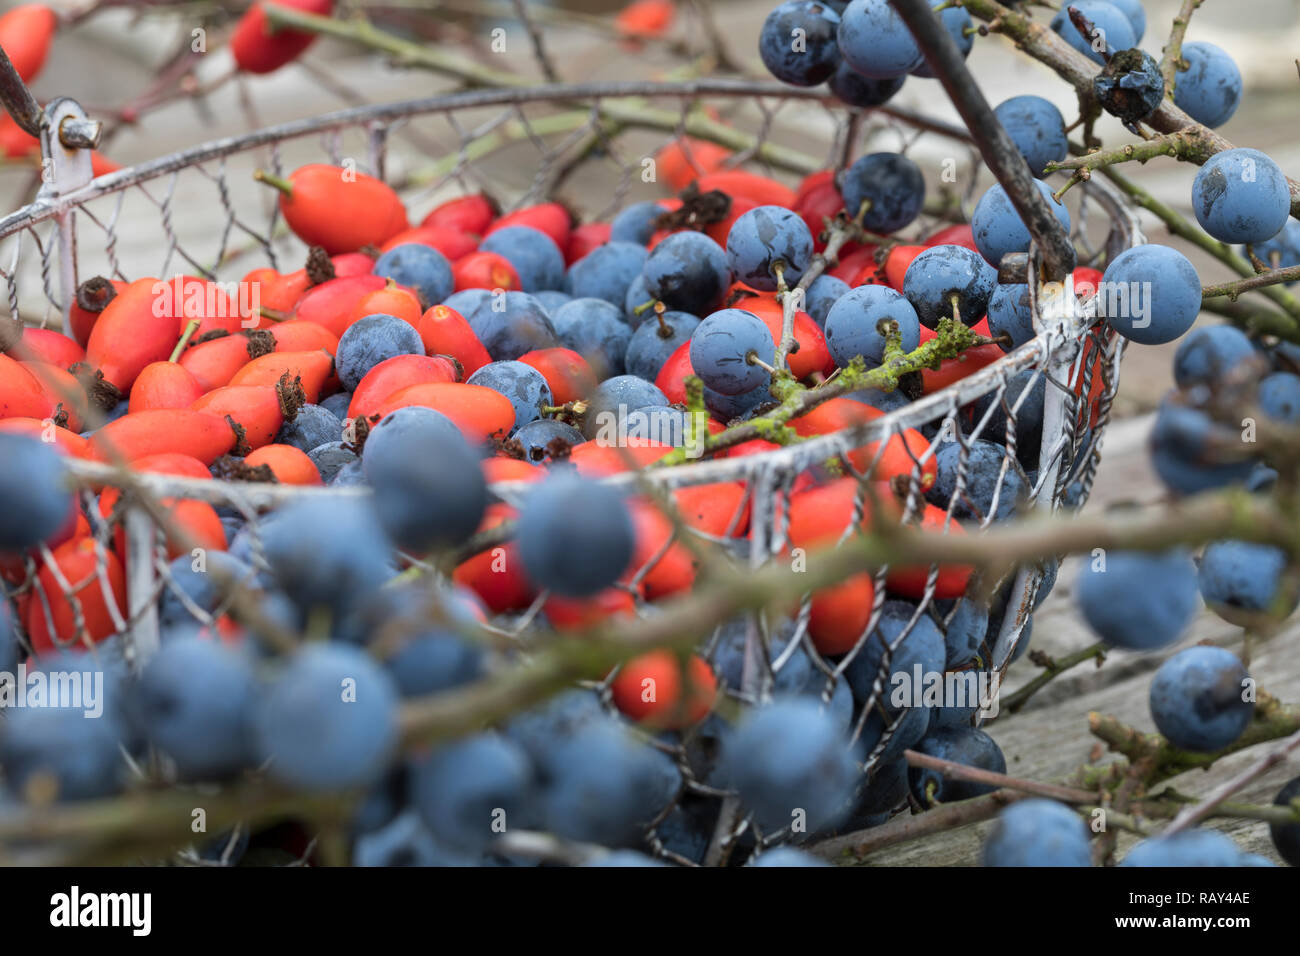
point(427, 362)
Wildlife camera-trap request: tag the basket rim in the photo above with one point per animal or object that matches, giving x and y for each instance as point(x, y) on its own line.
point(47, 207)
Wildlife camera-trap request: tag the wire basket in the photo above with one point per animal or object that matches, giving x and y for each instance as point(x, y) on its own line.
point(199, 211)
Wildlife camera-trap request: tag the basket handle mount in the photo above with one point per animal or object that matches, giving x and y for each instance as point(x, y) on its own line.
point(74, 132)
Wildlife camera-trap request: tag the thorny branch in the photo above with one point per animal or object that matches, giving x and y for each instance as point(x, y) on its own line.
point(1044, 45)
point(995, 145)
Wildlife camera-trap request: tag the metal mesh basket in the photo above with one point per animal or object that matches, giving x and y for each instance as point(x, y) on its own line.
point(199, 211)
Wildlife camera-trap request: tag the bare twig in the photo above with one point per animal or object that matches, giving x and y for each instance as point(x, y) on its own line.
point(1155, 761)
point(999, 152)
point(1053, 669)
point(1132, 781)
point(406, 53)
point(841, 233)
point(1273, 720)
point(1172, 60)
point(959, 771)
point(535, 37)
point(719, 52)
point(17, 99)
point(1186, 144)
point(1194, 815)
point(1238, 286)
point(903, 829)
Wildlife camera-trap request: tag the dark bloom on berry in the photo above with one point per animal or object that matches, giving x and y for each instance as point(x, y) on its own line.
point(1130, 86)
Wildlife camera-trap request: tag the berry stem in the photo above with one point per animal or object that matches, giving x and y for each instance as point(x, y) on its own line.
point(190, 329)
point(841, 232)
point(1080, 175)
point(779, 268)
point(1259, 265)
point(753, 359)
point(665, 330)
point(279, 182)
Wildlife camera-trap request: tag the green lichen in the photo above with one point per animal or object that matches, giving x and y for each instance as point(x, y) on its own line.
point(952, 338)
point(769, 429)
